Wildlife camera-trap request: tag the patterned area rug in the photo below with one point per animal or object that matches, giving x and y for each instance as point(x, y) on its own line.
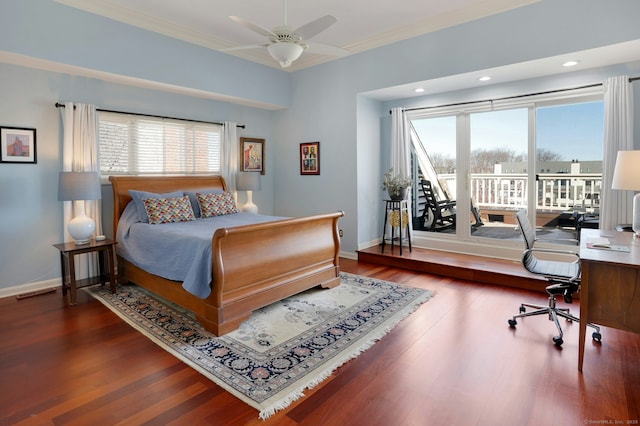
point(284, 348)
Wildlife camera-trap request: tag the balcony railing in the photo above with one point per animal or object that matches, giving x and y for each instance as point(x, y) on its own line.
point(508, 191)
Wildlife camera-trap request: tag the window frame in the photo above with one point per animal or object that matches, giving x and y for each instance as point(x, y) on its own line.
point(191, 147)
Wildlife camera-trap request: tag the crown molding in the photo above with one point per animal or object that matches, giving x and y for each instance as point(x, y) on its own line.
point(437, 22)
point(427, 25)
point(58, 67)
point(141, 20)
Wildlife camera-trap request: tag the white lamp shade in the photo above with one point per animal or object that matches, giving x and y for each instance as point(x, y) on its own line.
point(285, 53)
point(626, 175)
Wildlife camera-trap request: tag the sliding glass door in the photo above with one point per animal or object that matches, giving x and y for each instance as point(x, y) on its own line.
point(491, 161)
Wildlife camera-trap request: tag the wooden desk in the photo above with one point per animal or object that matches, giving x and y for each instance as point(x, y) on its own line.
point(610, 285)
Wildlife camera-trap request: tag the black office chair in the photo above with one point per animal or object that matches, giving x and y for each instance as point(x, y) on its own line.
point(564, 279)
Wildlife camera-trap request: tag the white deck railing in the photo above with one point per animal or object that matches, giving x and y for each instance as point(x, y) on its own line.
point(559, 191)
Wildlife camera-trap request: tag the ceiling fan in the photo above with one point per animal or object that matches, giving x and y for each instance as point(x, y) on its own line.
point(286, 44)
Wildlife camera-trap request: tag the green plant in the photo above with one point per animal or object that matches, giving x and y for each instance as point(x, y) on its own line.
point(394, 184)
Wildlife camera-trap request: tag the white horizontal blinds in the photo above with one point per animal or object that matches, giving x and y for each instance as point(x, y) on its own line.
point(133, 144)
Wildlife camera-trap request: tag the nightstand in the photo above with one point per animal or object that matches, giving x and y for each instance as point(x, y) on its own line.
point(106, 259)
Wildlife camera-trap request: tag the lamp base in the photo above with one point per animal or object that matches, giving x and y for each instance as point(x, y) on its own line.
point(81, 228)
point(250, 207)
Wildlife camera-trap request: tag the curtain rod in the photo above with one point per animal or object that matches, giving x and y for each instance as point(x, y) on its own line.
point(242, 126)
point(631, 79)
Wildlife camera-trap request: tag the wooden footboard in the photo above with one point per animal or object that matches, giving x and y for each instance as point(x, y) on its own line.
point(253, 265)
point(256, 265)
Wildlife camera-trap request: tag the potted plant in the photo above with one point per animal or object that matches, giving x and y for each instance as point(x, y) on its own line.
point(395, 185)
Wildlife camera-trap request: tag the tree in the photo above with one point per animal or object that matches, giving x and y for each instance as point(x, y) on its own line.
point(484, 160)
point(442, 163)
point(544, 155)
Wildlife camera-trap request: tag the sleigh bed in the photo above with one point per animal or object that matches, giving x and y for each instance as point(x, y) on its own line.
point(251, 265)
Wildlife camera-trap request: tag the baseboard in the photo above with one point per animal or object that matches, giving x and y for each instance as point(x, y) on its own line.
point(349, 255)
point(30, 287)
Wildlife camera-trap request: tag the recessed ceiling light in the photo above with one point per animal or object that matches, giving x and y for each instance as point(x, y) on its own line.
point(570, 63)
point(418, 90)
point(484, 78)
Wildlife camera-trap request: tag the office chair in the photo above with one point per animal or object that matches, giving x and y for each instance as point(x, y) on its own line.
point(564, 279)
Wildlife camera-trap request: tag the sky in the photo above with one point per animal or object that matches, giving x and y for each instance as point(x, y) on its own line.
point(575, 131)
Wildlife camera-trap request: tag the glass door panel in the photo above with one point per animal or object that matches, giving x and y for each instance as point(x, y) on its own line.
point(498, 182)
point(568, 166)
point(434, 142)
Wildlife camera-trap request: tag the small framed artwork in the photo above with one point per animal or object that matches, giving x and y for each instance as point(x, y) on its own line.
point(17, 145)
point(252, 155)
point(310, 158)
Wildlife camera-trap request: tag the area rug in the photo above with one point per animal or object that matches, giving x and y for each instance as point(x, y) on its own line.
point(284, 348)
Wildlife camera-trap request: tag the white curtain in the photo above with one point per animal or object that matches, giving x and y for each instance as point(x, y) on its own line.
point(80, 154)
point(615, 205)
point(229, 155)
point(401, 149)
point(400, 143)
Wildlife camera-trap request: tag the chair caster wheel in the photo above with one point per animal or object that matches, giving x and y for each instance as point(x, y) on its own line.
point(512, 323)
point(522, 309)
point(597, 336)
point(558, 340)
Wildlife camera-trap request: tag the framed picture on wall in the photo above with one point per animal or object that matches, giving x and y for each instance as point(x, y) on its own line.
point(310, 158)
point(252, 155)
point(17, 145)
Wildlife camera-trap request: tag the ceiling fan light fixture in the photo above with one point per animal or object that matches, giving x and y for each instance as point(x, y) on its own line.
point(285, 53)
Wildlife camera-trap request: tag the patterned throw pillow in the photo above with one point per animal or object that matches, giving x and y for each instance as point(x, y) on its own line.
point(193, 197)
point(138, 198)
point(166, 210)
point(216, 204)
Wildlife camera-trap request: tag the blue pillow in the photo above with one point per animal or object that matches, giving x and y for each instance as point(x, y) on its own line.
point(194, 199)
point(139, 197)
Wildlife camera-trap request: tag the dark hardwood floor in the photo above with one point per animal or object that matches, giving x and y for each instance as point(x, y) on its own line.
point(454, 361)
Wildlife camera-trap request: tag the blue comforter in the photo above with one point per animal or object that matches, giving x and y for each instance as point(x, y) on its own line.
point(177, 251)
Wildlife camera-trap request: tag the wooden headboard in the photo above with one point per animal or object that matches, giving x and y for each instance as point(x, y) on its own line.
point(122, 185)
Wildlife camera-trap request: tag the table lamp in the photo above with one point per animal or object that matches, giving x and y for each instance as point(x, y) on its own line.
point(626, 175)
point(248, 181)
point(80, 186)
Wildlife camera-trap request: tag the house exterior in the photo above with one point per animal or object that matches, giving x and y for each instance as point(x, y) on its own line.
point(50, 52)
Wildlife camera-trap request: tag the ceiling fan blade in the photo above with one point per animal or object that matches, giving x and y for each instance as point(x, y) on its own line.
point(315, 27)
point(253, 27)
point(247, 47)
point(325, 49)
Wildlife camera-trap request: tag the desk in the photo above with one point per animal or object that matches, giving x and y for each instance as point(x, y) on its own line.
point(400, 218)
point(106, 257)
point(610, 285)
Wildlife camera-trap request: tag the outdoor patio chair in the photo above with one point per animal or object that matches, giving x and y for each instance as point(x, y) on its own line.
point(442, 213)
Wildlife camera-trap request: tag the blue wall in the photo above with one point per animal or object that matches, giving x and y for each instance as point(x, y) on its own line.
point(327, 103)
point(31, 215)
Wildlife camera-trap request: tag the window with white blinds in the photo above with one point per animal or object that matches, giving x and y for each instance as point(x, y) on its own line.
point(139, 145)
